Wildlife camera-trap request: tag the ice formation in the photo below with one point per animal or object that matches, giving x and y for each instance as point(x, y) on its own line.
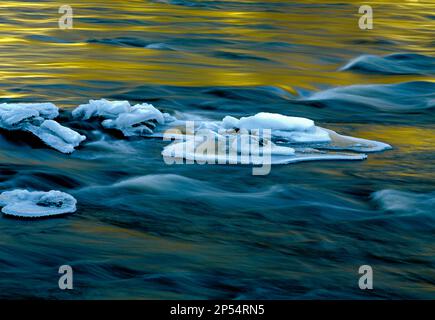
point(211, 147)
point(15, 116)
point(242, 141)
point(246, 149)
point(36, 204)
point(293, 129)
point(37, 119)
point(138, 120)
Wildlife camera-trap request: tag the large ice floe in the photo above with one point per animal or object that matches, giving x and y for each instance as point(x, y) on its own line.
point(36, 204)
point(264, 138)
point(137, 120)
point(37, 118)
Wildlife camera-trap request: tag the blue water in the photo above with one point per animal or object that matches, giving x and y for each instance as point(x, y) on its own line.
point(146, 230)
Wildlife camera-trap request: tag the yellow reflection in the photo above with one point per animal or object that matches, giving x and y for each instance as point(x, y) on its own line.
point(312, 42)
point(407, 139)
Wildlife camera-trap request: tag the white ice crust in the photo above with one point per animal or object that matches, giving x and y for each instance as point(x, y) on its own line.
point(13, 116)
point(36, 204)
point(137, 120)
point(293, 129)
point(37, 119)
point(266, 120)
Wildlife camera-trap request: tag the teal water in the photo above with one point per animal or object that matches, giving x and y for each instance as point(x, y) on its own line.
point(146, 230)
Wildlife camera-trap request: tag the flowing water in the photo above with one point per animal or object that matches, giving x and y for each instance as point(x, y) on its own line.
point(144, 229)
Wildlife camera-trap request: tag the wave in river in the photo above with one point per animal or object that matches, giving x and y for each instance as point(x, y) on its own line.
point(408, 97)
point(397, 63)
point(405, 202)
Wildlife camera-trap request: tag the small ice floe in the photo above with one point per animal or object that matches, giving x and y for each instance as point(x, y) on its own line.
point(14, 116)
point(36, 118)
point(137, 120)
point(36, 204)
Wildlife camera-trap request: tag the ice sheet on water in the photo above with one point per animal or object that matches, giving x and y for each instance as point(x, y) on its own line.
point(213, 148)
point(56, 136)
point(292, 139)
point(36, 204)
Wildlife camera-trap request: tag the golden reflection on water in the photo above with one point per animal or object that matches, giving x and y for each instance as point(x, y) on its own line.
point(321, 37)
point(405, 138)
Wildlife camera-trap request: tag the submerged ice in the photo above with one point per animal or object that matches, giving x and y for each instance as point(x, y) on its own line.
point(36, 204)
point(37, 118)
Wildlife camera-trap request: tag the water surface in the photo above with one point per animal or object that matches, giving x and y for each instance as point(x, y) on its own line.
point(147, 230)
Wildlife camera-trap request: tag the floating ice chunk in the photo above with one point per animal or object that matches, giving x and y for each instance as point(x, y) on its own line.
point(241, 141)
point(243, 149)
point(36, 204)
point(137, 120)
point(140, 120)
point(56, 136)
point(266, 120)
point(294, 129)
point(230, 122)
point(37, 119)
point(101, 108)
point(14, 115)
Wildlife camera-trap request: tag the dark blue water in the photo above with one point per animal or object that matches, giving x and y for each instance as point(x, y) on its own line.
point(146, 230)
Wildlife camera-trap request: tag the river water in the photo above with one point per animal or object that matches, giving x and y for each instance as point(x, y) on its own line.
point(146, 230)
